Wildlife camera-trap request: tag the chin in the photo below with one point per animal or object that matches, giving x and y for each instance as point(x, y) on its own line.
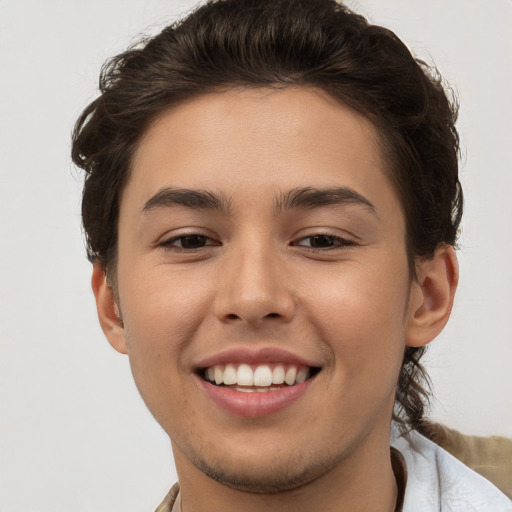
point(275, 474)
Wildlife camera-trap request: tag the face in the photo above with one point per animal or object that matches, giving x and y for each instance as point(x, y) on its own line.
point(263, 285)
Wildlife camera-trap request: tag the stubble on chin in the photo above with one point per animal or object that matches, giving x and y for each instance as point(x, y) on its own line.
point(279, 475)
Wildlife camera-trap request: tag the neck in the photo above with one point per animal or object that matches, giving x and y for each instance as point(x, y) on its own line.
point(363, 480)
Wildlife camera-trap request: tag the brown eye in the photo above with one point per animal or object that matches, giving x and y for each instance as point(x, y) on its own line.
point(188, 242)
point(323, 241)
point(192, 241)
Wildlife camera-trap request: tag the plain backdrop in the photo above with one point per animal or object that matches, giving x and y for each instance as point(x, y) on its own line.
point(74, 434)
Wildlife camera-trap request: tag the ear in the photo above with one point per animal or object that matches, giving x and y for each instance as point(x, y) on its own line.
point(108, 311)
point(432, 295)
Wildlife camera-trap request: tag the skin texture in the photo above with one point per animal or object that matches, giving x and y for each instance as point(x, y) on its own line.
point(346, 305)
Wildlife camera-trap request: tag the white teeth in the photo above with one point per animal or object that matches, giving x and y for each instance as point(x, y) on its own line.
point(291, 375)
point(262, 377)
point(247, 390)
point(245, 375)
point(302, 375)
point(219, 375)
point(278, 375)
point(230, 375)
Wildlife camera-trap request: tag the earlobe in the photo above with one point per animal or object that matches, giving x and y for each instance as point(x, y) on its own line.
point(432, 296)
point(108, 311)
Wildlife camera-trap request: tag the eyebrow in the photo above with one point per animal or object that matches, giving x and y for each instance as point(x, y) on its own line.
point(190, 198)
point(309, 197)
point(305, 197)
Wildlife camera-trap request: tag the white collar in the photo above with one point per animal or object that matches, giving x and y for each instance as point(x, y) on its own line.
point(437, 481)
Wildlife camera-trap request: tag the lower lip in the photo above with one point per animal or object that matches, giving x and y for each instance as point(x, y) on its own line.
point(256, 404)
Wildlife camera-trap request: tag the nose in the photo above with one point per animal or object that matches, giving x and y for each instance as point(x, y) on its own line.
point(254, 289)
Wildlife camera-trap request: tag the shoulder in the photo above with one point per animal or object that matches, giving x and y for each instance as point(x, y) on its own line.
point(438, 481)
point(489, 456)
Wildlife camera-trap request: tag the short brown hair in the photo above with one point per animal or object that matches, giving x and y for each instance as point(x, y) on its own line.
point(280, 43)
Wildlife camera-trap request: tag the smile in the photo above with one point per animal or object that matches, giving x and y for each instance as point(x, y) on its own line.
point(251, 389)
point(257, 378)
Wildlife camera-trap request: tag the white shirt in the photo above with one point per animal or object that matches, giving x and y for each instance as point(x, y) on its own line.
point(438, 482)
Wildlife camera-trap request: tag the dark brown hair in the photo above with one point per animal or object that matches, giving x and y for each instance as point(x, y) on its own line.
point(282, 43)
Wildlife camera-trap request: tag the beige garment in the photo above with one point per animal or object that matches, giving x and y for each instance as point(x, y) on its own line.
point(491, 457)
point(170, 500)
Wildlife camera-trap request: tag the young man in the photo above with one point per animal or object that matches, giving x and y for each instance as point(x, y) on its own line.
point(271, 204)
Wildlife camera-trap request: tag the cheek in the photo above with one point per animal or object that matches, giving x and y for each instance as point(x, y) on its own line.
point(163, 307)
point(361, 317)
point(162, 313)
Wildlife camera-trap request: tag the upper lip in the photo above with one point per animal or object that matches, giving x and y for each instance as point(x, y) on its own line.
point(250, 355)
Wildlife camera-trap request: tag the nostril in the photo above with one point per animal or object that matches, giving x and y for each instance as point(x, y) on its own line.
point(273, 315)
point(232, 316)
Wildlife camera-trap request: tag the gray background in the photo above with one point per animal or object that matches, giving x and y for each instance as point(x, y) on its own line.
point(74, 434)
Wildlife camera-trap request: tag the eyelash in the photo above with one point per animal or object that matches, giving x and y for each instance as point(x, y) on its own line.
point(336, 242)
point(169, 244)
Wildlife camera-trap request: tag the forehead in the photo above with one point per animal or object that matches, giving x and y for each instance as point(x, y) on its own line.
point(249, 141)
